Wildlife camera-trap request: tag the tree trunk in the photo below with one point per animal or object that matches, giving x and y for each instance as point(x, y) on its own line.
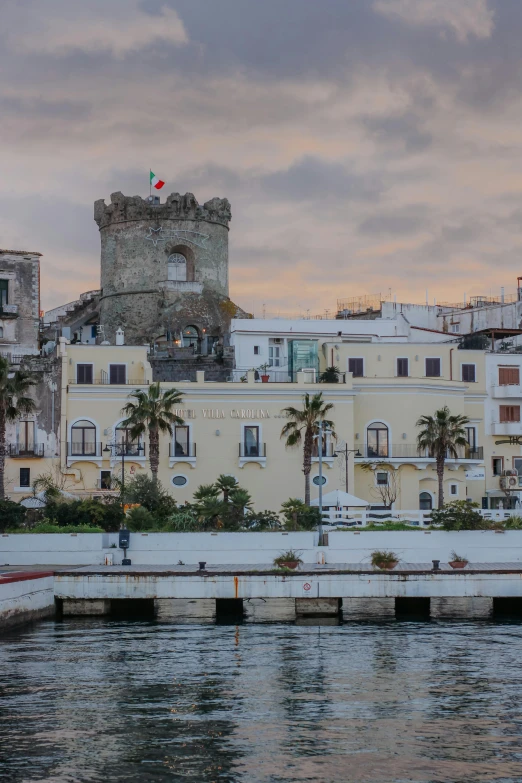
point(154, 453)
point(2, 453)
point(307, 464)
point(440, 477)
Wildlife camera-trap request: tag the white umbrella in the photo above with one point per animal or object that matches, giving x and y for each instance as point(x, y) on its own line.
point(341, 499)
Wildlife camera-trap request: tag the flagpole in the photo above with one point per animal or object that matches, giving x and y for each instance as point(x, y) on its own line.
point(150, 183)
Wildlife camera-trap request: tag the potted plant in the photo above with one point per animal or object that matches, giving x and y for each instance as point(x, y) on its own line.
point(264, 375)
point(384, 559)
point(288, 559)
point(458, 561)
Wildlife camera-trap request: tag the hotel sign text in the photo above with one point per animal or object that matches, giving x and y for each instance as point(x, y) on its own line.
point(219, 413)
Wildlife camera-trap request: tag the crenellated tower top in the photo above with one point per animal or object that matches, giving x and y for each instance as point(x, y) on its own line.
point(124, 209)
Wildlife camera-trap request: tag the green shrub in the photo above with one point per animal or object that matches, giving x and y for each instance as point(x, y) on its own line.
point(49, 526)
point(140, 520)
point(107, 516)
point(12, 515)
point(299, 516)
point(384, 559)
point(151, 495)
point(460, 515)
point(262, 520)
point(184, 520)
point(513, 523)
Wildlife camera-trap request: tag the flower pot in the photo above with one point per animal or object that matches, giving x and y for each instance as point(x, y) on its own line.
point(387, 566)
point(265, 378)
point(458, 563)
point(289, 564)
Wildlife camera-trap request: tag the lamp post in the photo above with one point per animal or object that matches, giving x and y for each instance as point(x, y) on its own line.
point(345, 452)
point(123, 452)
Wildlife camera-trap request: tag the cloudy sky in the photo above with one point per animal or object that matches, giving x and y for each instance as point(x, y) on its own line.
point(365, 145)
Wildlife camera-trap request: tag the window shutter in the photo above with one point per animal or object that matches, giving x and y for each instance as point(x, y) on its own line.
point(509, 413)
point(508, 376)
point(117, 374)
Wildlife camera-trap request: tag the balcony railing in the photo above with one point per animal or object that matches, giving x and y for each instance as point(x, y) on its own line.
point(29, 452)
point(328, 451)
point(104, 381)
point(255, 451)
point(411, 451)
point(84, 449)
point(129, 449)
point(177, 450)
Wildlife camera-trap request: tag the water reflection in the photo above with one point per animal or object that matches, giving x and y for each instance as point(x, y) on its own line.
point(382, 702)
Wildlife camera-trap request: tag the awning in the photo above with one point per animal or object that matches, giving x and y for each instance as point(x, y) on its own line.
point(340, 499)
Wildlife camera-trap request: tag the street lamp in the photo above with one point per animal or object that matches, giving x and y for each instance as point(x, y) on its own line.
point(345, 452)
point(122, 450)
point(319, 437)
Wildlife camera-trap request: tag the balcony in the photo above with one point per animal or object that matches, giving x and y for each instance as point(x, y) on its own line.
point(409, 452)
point(252, 453)
point(510, 428)
point(103, 380)
point(182, 453)
point(328, 454)
point(25, 452)
point(84, 451)
point(512, 391)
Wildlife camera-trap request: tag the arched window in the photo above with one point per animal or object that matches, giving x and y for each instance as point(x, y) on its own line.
point(377, 440)
point(425, 501)
point(190, 337)
point(177, 267)
point(83, 439)
point(122, 435)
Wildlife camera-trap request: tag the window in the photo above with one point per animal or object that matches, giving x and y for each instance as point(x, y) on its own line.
point(433, 368)
point(274, 356)
point(256, 350)
point(105, 479)
point(25, 477)
point(498, 466)
point(26, 437)
point(319, 481)
point(509, 413)
point(117, 373)
point(402, 368)
point(382, 479)
point(356, 367)
point(251, 441)
point(508, 376)
point(94, 332)
point(84, 373)
point(122, 436)
point(4, 292)
point(471, 437)
point(181, 441)
point(179, 481)
point(177, 267)
point(425, 501)
point(455, 328)
point(377, 440)
point(517, 465)
point(190, 337)
point(1, 331)
point(83, 439)
point(468, 373)
point(454, 489)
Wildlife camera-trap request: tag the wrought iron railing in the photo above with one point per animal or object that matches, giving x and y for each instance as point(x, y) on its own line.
point(179, 450)
point(252, 450)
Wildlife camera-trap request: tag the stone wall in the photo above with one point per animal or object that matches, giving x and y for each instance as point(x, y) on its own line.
point(19, 319)
point(173, 369)
point(137, 239)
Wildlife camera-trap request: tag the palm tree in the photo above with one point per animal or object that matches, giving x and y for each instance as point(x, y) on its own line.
point(152, 411)
point(209, 507)
point(303, 426)
point(14, 402)
point(226, 485)
point(440, 435)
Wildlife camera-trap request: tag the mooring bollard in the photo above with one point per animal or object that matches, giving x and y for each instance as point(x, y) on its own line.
point(436, 565)
point(202, 565)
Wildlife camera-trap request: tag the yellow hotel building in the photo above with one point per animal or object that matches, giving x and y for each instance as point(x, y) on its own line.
point(235, 427)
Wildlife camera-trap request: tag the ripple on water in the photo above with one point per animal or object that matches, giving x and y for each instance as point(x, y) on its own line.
point(380, 702)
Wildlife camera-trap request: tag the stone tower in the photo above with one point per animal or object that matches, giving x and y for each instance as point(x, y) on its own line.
point(164, 270)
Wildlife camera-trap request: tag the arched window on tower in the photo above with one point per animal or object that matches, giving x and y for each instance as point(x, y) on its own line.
point(177, 267)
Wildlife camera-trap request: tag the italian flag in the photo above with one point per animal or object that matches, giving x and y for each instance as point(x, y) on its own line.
point(155, 182)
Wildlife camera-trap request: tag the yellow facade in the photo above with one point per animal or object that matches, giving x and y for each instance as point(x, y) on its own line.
point(217, 416)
